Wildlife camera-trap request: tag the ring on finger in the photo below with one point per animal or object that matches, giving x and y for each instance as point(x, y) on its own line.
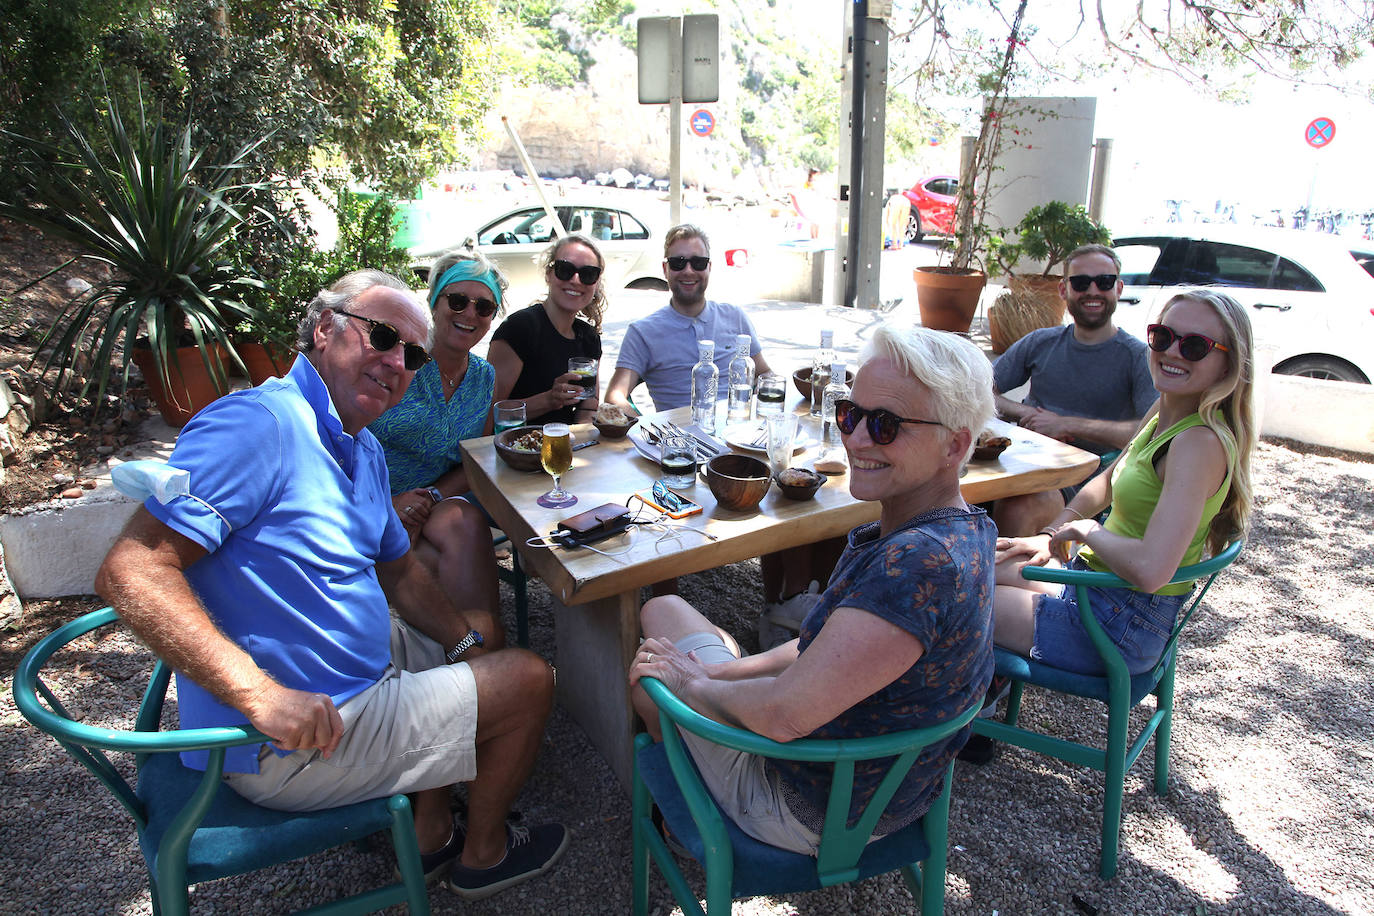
point(650, 658)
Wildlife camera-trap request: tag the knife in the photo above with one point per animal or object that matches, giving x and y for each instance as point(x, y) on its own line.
point(588, 444)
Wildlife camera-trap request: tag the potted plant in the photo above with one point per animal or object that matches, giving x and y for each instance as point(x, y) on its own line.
point(1047, 233)
point(948, 294)
point(137, 195)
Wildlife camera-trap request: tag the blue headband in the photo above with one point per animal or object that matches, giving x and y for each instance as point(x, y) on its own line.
point(466, 270)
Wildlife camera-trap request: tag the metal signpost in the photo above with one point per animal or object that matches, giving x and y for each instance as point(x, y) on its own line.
point(679, 61)
point(1319, 134)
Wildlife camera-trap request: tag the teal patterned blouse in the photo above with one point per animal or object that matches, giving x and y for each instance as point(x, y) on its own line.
point(420, 435)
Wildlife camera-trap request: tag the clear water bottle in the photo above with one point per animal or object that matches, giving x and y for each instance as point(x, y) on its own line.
point(705, 380)
point(741, 381)
point(836, 390)
point(820, 370)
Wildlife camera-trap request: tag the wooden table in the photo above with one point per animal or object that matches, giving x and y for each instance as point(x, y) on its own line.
point(596, 598)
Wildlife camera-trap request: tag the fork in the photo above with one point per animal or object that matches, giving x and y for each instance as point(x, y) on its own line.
point(705, 450)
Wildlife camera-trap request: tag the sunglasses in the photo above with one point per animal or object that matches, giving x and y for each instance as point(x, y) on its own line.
point(1081, 282)
point(679, 262)
point(1192, 347)
point(458, 301)
point(564, 270)
point(666, 498)
point(383, 337)
point(883, 425)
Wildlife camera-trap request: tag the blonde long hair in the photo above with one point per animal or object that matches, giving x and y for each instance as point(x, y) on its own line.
point(1228, 409)
point(595, 310)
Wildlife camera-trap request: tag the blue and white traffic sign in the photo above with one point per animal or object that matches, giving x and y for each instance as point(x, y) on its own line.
point(1320, 132)
point(702, 122)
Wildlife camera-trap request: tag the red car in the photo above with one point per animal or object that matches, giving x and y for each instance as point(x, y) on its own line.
point(932, 206)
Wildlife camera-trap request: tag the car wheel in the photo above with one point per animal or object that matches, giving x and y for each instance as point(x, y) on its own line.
point(913, 228)
point(648, 283)
point(1323, 367)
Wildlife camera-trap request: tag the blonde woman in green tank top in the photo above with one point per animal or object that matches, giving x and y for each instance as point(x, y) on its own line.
point(1180, 490)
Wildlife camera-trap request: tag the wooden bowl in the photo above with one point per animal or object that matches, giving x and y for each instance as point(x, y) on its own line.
point(614, 430)
point(515, 458)
point(800, 490)
point(738, 482)
point(802, 379)
point(989, 446)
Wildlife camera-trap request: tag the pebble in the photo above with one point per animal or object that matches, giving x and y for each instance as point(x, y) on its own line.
point(73, 493)
point(64, 479)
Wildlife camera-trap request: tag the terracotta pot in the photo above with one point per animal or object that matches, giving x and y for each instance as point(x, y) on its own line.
point(264, 361)
point(192, 386)
point(948, 297)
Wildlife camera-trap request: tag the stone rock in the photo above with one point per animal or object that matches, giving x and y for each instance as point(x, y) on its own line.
point(73, 493)
point(64, 479)
point(87, 483)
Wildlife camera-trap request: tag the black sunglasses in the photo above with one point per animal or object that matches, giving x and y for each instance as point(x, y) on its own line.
point(564, 270)
point(383, 337)
point(883, 425)
point(679, 262)
point(456, 302)
point(1192, 347)
point(1081, 282)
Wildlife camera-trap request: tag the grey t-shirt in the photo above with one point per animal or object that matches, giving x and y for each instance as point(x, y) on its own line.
point(662, 349)
point(1103, 381)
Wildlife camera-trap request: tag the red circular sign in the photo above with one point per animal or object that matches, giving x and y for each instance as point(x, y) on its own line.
point(1320, 132)
point(702, 122)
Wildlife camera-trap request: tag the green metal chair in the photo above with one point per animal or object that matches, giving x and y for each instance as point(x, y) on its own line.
point(518, 580)
point(1118, 689)
point(191, 826)
point(738, 865)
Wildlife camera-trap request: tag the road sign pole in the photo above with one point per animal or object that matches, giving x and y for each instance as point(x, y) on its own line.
point(675, 120)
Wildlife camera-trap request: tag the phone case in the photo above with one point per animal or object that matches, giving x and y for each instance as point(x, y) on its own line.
point(690, 509)
point(602, 517)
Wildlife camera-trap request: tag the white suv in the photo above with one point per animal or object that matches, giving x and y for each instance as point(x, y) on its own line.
point(1308, 298)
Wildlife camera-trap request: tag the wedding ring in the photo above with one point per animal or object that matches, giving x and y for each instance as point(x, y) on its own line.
point(650, 659)
point(409, 509)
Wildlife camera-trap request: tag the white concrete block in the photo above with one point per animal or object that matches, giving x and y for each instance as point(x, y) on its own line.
point(1334, 414)
point(55, 548)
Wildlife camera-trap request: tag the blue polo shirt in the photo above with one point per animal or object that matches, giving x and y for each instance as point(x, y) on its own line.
point(661, 348)
point(295, 514)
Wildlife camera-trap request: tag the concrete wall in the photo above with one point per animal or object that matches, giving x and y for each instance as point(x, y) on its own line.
point(1334, 414)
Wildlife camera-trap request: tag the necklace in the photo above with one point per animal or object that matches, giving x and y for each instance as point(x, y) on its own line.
point(457, 376)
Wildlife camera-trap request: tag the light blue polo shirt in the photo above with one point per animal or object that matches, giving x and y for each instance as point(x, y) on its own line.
point(295, 514)
point(661, 348)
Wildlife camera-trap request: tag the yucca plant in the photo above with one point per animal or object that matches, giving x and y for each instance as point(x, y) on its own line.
point(137, 195)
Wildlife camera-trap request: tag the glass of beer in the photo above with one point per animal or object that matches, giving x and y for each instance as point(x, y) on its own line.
point(556, 456)
point(508, 415)
point(585, 367)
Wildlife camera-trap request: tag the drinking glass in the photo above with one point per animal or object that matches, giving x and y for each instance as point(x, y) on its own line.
point(772, 394)
point(556, 456)
point(678, 461)
point(585, 367)
point(782, 433)
point(508, 414)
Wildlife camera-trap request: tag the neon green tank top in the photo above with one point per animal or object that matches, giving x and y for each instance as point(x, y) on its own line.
point(1135, 493)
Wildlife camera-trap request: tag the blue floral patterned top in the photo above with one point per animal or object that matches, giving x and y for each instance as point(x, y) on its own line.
point(933, 577)
point(420, 434)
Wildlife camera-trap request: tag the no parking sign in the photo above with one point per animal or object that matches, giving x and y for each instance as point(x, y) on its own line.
point(1320, 132)
point(702, 122)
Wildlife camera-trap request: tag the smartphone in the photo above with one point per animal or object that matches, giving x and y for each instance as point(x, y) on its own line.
point(669, 502)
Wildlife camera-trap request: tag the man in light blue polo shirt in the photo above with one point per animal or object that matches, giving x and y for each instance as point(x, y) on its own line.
point(267, 587)
point(660, 349)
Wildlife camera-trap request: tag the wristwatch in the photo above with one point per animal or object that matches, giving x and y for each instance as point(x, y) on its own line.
point(435, 495)
point(467, 642)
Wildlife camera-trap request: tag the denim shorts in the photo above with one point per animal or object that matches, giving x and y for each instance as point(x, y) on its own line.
point(1137, 623)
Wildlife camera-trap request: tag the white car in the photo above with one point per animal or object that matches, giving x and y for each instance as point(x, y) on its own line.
point(515, 241)
point(1308, 298)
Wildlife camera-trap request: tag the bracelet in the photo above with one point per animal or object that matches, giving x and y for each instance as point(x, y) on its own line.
point(1076, 512)
point(1047, 530)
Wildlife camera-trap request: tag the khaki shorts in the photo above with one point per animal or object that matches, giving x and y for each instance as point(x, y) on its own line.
point(739, 782)
point(414, 729)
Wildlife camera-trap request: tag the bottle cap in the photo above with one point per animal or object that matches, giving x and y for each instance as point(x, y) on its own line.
point(742, 342)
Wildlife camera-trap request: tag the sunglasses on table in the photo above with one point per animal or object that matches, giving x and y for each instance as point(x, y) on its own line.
point(666, 498)
point(383, 337)
point(679, 262)
point(564, 270)
point(456, 302)
point(1081, 282)
point(883, 424)
point(1192, 347)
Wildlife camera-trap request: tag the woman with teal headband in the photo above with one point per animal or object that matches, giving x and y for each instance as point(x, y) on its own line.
point(448, 400)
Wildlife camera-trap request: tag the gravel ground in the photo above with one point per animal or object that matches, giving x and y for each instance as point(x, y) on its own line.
point(1268, 809)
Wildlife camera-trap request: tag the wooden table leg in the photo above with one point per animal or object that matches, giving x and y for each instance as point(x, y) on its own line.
point(595, 643)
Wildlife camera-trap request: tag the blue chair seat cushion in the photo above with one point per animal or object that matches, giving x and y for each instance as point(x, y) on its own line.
point(236, 835)
point(1019, 668)
point(761, 869)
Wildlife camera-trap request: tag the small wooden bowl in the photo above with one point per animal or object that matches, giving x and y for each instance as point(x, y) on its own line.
point(802, 490)
point(515, 458)
point(989, 447)
point(614, 430)
point(802, 379)
point(738, 482)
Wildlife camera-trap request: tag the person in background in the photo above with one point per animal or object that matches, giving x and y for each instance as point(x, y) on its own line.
point(902, 636)
point(531, 348)
point(1089, 381)
point(448, 400)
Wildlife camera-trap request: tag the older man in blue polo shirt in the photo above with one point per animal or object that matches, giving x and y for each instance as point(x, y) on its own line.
point(267, 587)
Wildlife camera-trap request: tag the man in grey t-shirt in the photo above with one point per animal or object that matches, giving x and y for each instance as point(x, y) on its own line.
point(1089, 382)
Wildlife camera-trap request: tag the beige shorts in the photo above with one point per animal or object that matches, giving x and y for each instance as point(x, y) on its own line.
point(739, 782)
point(414, 729)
